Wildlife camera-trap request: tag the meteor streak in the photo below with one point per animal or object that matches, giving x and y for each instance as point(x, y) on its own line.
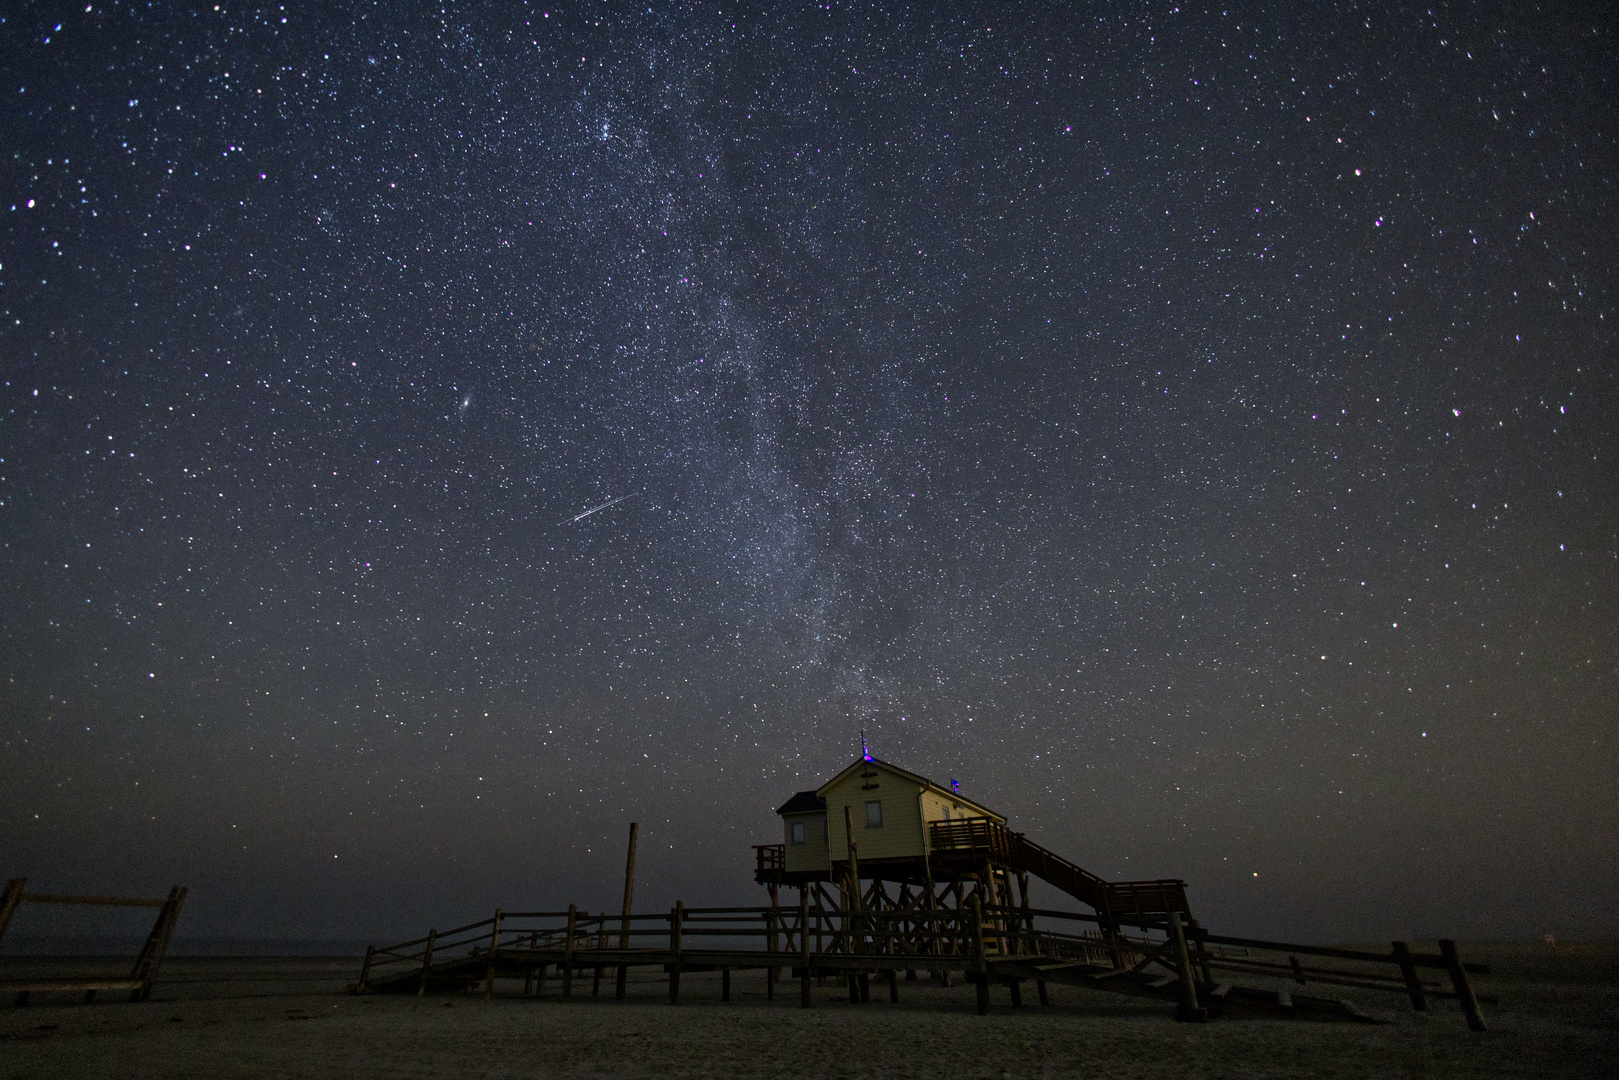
point(593, 509)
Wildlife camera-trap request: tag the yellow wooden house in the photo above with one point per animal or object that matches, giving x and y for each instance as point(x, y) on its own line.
point(885, 808)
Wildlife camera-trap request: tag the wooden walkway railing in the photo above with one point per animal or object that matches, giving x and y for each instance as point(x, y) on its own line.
point(138, 982)
point(981, 838)
point(1164, 956)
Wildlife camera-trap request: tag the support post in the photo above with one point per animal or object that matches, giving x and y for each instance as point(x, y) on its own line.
point(494, 945)
point(365, 969)
point(1413, 982)
point(567, 952)
point(629, 894)
point(427, 963)
point(774, 925)
point(893, 985)
point(157, 943)
point(1458, 980)
point(725, 983)
point(980, 968)
point(676, 918)
point(805, 999)
point(1189, 1009)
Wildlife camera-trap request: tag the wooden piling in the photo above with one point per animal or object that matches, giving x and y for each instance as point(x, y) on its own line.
point(725, 983)
point(567, 952)
point(629, 895)
point(676, 918)
point(980, 968)
point(893, 985)
point(494, 945)
point(1458, 981)
point(1413, 982)
point(805, 993)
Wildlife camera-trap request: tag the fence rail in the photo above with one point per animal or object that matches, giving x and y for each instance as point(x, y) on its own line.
point(1137, 952)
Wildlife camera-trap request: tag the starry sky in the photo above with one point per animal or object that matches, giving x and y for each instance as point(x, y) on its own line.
point(1192, 429)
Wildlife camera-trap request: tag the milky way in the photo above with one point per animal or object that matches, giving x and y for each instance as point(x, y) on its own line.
point(1193, 431)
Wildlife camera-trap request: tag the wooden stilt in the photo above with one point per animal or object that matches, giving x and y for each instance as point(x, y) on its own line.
point(1045, 995)
point(893, 985)
point(980, 972)
point(725, 984)
point(805, 992)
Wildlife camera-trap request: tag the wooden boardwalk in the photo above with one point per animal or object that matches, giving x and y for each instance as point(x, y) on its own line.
point(1162, 958)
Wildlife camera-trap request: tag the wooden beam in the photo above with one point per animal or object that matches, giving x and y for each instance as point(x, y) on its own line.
point(1189, 1009)
point(9, 901)
point(1458, 979)
point(427, 962)
point(1408, 971)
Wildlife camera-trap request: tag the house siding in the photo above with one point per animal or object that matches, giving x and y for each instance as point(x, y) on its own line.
point(811, 854)
point(901, 834)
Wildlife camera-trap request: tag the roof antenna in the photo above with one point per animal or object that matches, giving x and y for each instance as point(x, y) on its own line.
point(865, 750)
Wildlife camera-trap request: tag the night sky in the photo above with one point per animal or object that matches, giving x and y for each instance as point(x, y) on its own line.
point(1191, 429)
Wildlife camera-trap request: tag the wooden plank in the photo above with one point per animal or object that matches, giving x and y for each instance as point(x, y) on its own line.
point(107, 901)
point(48, 985)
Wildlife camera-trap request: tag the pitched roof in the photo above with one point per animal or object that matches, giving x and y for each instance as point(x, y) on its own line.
point(914, 778)
point(804, 802)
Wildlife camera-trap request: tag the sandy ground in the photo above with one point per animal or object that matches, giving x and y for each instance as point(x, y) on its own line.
point(1558, 1017)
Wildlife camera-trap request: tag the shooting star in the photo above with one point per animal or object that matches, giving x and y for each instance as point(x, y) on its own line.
point(603, 506)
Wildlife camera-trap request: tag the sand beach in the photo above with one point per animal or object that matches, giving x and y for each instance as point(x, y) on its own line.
point(1557, 1016)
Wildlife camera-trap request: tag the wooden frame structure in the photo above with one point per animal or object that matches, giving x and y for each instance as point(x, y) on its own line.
point(991, 944)
point(140, 979)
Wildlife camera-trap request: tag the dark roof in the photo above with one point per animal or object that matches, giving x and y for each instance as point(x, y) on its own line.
point(805, 802)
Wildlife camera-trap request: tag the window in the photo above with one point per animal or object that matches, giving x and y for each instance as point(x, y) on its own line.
point(795, 832)
point(874, 814)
